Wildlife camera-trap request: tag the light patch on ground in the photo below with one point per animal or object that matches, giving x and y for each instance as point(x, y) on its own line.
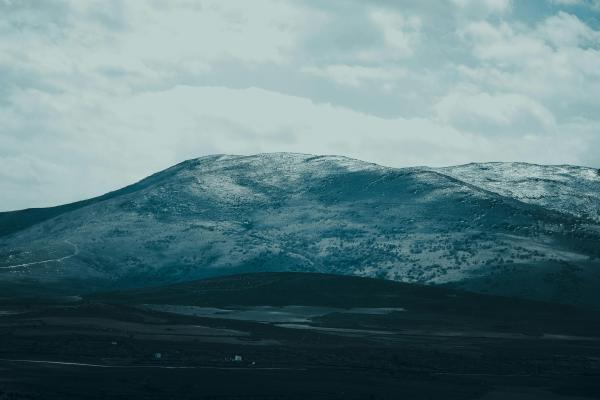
point(287, 314)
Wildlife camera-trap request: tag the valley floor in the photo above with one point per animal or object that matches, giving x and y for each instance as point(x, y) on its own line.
point(103, 356)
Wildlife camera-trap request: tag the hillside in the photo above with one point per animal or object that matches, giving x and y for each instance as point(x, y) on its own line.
point(291, 290)
point(564, 188)
point(221, 215)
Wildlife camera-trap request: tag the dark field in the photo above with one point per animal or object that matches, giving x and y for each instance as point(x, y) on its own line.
point(299, 336)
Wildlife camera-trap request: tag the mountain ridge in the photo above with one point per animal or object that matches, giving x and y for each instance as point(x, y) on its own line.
point(224, 214)
point(59, 209)
point(565, 188)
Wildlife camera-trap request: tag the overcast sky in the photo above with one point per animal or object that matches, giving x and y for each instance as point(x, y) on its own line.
point(96, 95)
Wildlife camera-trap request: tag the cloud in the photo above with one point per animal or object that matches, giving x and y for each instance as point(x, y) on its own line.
point(94, 95)
point(593, 4)
point(400, 33)
point(566, 30)
point(567, 2)
point(142, 45)
point(483, 7)
point(509, 113)
point(554, 63)
point(357, 75)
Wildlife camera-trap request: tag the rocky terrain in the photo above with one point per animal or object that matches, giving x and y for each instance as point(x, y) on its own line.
point(512, 229)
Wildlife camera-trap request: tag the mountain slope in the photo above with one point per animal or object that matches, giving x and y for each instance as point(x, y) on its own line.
point(293, 212)
point(14, 221)
point(329, 290)
point(565, 188)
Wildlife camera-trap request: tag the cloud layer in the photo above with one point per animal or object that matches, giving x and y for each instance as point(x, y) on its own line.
point(95, 95)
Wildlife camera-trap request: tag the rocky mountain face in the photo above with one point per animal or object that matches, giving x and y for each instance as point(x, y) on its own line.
point(512, 229)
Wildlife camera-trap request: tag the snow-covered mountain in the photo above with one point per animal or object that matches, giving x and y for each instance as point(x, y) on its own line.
point(278, 212)
point(565, 188)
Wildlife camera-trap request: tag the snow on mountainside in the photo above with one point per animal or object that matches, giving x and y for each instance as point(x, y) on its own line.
point(564, 188)
point(294, 212)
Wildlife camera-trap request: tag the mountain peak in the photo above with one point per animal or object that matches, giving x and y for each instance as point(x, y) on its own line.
point(279, 159)
point(264, 169)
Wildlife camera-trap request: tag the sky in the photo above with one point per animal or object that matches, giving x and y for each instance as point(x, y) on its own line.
point(95, 95)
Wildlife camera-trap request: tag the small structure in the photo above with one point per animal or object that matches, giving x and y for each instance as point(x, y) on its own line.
point(237, 358)
point(157, 356)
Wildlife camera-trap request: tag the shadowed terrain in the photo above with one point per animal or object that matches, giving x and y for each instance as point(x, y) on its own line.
point(297, 336)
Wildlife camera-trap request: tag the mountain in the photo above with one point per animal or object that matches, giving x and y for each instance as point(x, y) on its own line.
point(564, 188)
point(221, 215)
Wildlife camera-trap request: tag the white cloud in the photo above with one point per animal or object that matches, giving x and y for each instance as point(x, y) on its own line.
point(566, 2)
point(401, 33)
point(357, 75)
point(508, 113)
point(483, 7)
point(502, 44)
point(555, 63)
point(593, 4)
point(144, 44)
point(566, 30)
